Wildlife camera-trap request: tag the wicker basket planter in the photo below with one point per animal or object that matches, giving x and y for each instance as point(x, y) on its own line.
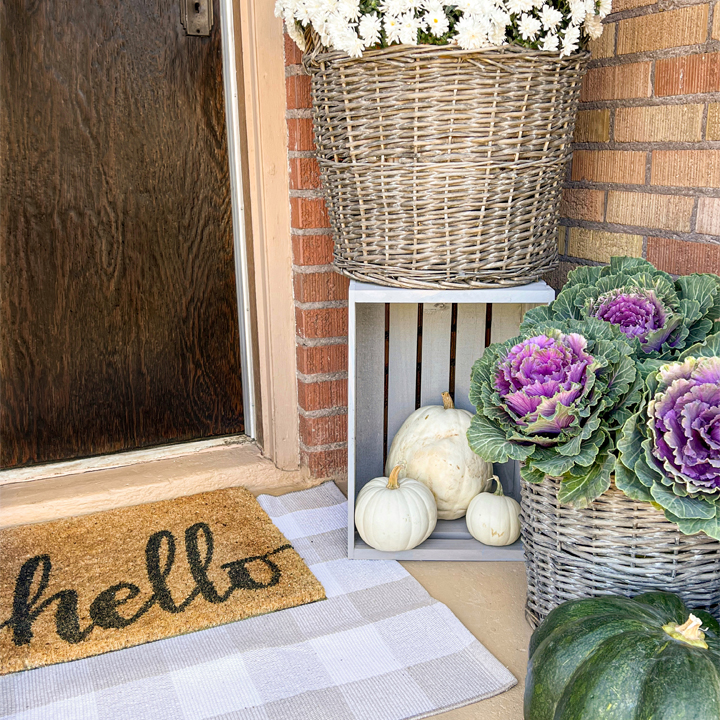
point(616, 546)
point(441, 166)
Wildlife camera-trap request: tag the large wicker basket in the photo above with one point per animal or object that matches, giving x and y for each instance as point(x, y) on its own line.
point(615, 546)
point(441, 166)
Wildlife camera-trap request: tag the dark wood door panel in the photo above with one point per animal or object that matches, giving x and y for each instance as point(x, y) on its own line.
point(118, 313)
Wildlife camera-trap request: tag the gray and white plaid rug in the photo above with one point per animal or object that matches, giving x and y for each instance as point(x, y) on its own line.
point(379, 648)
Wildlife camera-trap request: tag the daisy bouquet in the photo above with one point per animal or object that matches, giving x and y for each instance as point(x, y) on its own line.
point(352, 26)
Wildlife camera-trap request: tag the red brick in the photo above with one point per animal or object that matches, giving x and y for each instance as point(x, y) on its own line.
point(610, 166)
point(324, 430)
point(667, 29)
point(322, 395)
point(300, 134)
point(308, 213)
point(321, 323)
point(298, 92)
point(583, 204)
point(616, 82)
point(687, 75)
point(312, 249)
point(686, 168)
point(325, 463)
point(320, 287)
point(293, 54)
point(708, 216)
point(322, 359)
point(304, 174)
point(682, 258)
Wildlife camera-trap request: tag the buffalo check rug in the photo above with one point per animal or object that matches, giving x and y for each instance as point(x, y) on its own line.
point(378, 648)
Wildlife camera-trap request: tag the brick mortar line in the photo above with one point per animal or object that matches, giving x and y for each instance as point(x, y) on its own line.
point(580, 261)
point(321, 305)
point(318, 194)
point(322, 448)
point(693, 216)
point(636, 146)
point(320, 377)
point(319, 342)
point(313, 269)
point(335, 411)
point(647, 189)
point(659, 101)
point(294, 69)
point(311, 231)
point(299, 113)
point(709, 47)
point(640, 230)
point(653, 9)
point(294, 154)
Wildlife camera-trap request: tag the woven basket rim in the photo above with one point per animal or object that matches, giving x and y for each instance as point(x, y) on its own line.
point(317, 54)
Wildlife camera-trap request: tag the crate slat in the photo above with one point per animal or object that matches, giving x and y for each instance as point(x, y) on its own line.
point(470, 346)
point(402, 365)
point(370, 354)
point(435, 352)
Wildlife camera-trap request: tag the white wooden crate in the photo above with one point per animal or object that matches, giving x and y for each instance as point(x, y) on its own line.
point(387, 383)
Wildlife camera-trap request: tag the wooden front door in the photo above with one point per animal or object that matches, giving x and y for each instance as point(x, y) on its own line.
point(118, 309)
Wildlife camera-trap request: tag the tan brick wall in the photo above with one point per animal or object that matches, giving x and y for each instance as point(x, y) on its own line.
point(644, 178)
point(320, 292)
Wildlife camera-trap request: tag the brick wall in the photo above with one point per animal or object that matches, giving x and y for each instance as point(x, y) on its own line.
point(320, 292)
point(645, 174)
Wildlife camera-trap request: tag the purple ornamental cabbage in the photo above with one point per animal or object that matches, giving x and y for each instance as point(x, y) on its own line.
point(541, 378)
point(638, 313)
point(554, 398)
point(670, 448)
point(684, 422)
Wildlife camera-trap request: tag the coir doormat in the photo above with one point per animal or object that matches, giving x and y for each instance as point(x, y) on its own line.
point(83, 586)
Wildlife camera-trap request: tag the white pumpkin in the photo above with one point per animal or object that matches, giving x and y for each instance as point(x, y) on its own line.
point(393, 514)
point(432, 443)
point(494, 519)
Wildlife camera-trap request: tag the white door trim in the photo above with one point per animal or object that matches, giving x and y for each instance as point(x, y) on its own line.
point(233, 124)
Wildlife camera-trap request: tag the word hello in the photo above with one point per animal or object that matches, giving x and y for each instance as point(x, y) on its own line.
point(104, 608)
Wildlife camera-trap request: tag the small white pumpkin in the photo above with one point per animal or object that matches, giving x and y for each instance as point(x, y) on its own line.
point(494, 519)
point(432, 443)
point(393, 514)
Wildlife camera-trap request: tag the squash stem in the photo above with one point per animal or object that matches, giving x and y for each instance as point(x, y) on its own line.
point(498, 486)
point(448, 403)
point(689, 632)
point(393, 479)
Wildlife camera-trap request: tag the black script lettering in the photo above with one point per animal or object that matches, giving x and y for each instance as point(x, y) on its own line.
point(198, 567)
point(157, 575)
point(103, 611)
point(25, 611)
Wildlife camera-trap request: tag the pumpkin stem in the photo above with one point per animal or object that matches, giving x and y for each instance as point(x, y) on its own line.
point(393, 479)
point(689, 632)
point(498, 486)
point(448, 403)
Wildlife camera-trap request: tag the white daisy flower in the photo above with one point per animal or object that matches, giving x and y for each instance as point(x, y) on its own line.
point(593, 26)
point(471, 33)
point(370, 26)
point(392, 28)
point(436, 22)
point(497, 33)
point(296, 34)
point(409, 26)
point(550, 17)
point(515, 7)
point(577, 11)
point(571, 41)
point(528, 27)
point(605, 8)
point(550, 42)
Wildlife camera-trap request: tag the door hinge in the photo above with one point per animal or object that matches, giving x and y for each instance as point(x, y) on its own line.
point(196, 16)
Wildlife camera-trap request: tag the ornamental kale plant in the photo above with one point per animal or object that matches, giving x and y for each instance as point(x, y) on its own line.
point(555, 398)
point(670, 449)
point(661, 317)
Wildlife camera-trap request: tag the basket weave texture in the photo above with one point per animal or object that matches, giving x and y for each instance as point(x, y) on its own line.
point(442, 166)
point(615, 546)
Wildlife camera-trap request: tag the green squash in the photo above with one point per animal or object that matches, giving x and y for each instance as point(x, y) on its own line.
point(616, 658)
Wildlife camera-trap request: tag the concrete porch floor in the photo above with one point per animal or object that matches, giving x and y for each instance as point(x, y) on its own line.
point(488, 598)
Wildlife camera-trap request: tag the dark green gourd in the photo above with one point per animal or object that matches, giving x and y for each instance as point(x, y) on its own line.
point(616, 658)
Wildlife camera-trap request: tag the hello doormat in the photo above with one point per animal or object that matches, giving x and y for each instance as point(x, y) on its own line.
point(84, 586)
